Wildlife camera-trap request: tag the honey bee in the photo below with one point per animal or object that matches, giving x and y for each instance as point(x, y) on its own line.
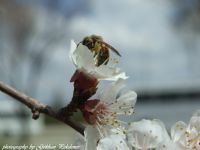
point(100, 48)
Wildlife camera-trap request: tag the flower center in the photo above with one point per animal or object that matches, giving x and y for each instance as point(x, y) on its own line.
point(101, 115)
point(100, 112)
point(104, 116)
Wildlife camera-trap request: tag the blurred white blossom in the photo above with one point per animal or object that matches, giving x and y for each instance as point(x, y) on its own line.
point(152, 134)
point(112, 141)
point(147, 134)
point(187, 136)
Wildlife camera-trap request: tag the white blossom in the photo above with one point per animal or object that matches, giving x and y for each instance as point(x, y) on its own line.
point(147, 134)
point(187, 137)
point(103, 115)
point(112, 141)
point(84, 60)
point(152, 134)
point(104, 112)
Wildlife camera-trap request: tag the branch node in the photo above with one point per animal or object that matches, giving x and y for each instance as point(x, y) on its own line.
point(36, 113)
point(37, 107)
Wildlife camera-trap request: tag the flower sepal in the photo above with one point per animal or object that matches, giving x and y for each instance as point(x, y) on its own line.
point(84, 86)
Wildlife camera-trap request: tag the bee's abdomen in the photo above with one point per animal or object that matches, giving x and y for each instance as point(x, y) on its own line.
point(103, 56)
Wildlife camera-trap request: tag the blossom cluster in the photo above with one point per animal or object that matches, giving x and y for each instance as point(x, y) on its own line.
point(104, 130)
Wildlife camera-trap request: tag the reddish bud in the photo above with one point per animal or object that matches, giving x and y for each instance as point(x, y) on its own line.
point(84, 86)
point(83, 81)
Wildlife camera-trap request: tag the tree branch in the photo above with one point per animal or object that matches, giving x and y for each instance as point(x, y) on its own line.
point(38, 107)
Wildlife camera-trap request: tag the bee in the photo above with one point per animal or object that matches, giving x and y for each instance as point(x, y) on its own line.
point(100, 48)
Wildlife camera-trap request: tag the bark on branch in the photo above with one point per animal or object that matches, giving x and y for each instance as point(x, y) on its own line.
point(38, 107)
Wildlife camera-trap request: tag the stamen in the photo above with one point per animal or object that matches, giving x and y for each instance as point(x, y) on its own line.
point(195, 140)
point(99, 129)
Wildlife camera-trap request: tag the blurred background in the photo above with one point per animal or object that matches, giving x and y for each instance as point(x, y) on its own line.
point(159, 42)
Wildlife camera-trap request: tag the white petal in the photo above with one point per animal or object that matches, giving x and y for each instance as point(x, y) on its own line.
point(71, 53)
point(195, 121)
point(168, 146)
point(109, 73)
point(112, 142)
point(126, 103)
point(177, 131)
point(112, 91)
point(121, 104)
point(128, 97)
point(84, 58)
point(187, 136)
point(91, 136)
point(79, 141)
point(147, 134)
point(118, 131)
point(117, 75)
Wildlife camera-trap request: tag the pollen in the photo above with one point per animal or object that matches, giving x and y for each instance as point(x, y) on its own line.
point(103, 115)
point(192, 139)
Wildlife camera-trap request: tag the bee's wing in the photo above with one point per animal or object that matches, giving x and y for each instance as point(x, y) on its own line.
point(112, 48)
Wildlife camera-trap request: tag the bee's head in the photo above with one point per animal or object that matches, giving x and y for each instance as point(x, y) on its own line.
point(90, 41)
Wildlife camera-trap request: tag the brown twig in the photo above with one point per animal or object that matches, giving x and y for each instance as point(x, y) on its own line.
point(38, 107)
